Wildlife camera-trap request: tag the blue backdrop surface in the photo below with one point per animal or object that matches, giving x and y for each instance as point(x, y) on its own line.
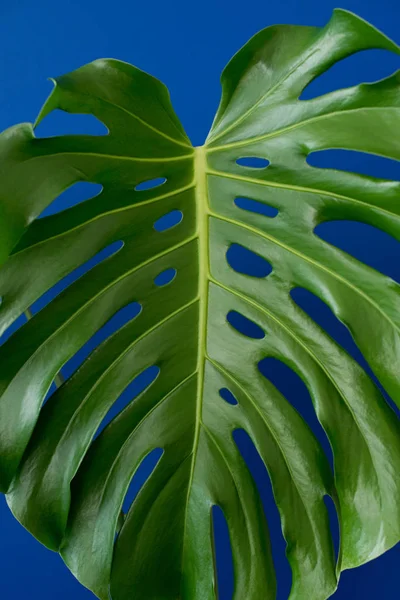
point(186, 44)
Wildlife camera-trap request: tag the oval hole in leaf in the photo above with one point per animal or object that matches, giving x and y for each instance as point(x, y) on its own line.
point(75, 194)
point(245, 261)
point(138, 385)
point(244, 325)
point(323, 316)
point(60, 122)
point(165, 277)
point(364, 66)
point(141, 475)
point(150, 184)
point(169, 220)
point(262, 481)
point(76, 274)
point(293, 388)
point(254, 162)
point(366, 243)
point(119, 320)
point(353, 161)
point(227, 396)
point(223, 554)
point(255, 206)
point(333, 524)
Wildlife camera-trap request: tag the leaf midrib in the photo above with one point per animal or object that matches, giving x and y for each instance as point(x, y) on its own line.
point(201, 198)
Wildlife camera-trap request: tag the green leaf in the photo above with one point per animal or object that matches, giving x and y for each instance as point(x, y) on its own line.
point(65, 484)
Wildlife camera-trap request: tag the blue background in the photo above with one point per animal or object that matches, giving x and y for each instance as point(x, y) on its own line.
point(186, 44)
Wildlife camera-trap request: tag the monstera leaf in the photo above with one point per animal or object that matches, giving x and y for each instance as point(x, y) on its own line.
point(65, 483)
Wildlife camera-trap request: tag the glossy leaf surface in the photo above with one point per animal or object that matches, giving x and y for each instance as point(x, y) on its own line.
point(201, 324)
